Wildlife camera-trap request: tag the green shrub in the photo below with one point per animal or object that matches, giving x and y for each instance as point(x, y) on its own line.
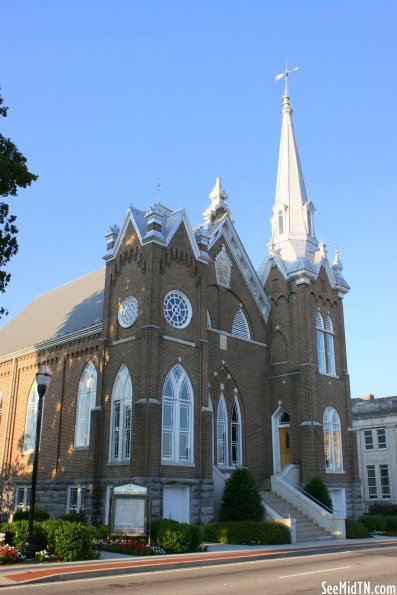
point(319, 491)
point(356, 530)
point(102, 532)
point(175, 537)
point(73, 541)
point(241, 499)
point(23, 515)
point(247, 532)
point(18, 530)
point(50, 527)
point(75, 517)
point(391, 523)
point(374, 522)
point(385, 508)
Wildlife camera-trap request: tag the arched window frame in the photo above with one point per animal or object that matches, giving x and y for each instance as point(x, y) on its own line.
point(86, 398)
point(310, 227)
point(332, 441)
point(31, 420)
point(280, 222)
point(177, 417)
point(121, 417)
point(235, 434)
point(222, 433)
point(240, 326)
point(211, 408)
point(325, 345)
point(209, 323)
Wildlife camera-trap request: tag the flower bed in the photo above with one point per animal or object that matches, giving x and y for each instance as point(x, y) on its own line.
point(127, 546)
point(10, 555)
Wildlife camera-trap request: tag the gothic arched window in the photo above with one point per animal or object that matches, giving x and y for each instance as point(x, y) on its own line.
point(280, 220)
point(310, 223)
point(325, 345)
point(177, 421)
point(221, 433)
point(120, 423)
point(332, 440)
point(85, 402)
point(236, 434)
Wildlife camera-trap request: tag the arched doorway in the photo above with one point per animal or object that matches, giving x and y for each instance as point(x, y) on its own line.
point(281, 440)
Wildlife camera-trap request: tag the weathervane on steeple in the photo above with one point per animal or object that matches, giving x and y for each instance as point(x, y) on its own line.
point(285, 75)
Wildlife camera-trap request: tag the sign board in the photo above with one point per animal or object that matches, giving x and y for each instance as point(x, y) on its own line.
point(129, 511)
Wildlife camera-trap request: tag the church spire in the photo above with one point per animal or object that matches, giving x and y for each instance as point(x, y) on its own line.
point(293, 214)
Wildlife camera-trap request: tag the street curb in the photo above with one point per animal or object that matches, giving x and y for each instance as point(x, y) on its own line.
point(68, 572)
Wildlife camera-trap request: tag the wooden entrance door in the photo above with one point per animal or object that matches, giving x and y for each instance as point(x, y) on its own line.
point(285, 446)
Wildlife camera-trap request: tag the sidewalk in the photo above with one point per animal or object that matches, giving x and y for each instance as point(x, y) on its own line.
point(113, 564)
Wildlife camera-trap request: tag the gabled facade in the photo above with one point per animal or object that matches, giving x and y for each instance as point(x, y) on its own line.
point(195, 365)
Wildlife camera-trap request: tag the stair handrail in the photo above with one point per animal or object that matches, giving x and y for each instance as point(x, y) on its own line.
point(330, 510)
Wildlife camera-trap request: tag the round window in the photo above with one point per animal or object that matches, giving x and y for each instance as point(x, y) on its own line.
point(128, 312)
point(177, 309)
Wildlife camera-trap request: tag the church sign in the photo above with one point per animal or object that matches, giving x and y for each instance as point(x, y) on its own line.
point(129, 511)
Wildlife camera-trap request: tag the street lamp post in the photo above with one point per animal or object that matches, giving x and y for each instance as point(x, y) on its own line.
point(43, 378)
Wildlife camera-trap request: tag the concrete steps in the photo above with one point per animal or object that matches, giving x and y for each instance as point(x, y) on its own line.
point(306, 529)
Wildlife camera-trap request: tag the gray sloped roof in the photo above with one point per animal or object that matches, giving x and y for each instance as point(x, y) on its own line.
point(68, 309)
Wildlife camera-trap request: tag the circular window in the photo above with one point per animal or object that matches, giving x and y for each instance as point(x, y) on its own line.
point(177, 309)
point(128, 312)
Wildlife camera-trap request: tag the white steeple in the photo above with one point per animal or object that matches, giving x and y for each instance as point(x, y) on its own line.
point(293, 247)
point(293, 232)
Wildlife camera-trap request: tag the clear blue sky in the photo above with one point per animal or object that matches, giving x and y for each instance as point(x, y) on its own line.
point(104, 97)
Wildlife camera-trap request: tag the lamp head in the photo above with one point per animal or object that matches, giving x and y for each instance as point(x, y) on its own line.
point(43, 377)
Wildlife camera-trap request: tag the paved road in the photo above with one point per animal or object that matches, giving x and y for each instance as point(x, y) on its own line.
point(318, 574)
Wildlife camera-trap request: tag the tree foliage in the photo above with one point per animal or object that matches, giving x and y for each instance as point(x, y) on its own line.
point(14, 174)
point(319, 491)
point(241, 498)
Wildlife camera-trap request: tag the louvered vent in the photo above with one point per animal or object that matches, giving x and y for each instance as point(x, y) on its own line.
point(319, 321)
point(328, 325)
point(240, 326)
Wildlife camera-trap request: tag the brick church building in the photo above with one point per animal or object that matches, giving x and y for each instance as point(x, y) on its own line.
point(178, 361)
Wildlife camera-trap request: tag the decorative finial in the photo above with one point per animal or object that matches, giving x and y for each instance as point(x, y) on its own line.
point(337, 264)
point(158, 189)
point(285, 75)
point(322, 248)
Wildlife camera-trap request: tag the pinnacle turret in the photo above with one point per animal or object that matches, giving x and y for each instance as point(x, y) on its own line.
point(218, 205)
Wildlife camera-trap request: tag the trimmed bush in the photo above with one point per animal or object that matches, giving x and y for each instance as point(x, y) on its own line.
point(23, 515)
point(73, 541)
point(101, 532)
point(247, 533)
point(174, 537)
point(241, 499)
point(374, 522)
point(17, 532)
point(356, 530)
point(75, 517)
point(391, 523)
point(319, 491)
point(385, 508)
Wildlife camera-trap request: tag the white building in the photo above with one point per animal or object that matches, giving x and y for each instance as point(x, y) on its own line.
point(375, 421)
